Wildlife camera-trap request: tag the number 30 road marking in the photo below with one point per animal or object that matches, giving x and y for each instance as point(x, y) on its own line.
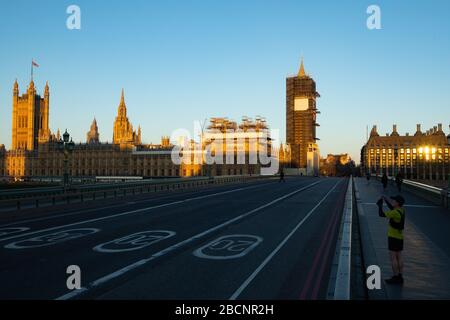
point(134, 241)
point(228, 247)
point(51, 238)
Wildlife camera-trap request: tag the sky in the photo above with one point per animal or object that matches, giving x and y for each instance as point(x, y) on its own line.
point(185, 60)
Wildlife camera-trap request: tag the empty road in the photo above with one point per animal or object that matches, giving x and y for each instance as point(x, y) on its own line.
point(258, 240)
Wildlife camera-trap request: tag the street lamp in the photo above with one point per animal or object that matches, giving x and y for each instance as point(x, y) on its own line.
point(66, 146)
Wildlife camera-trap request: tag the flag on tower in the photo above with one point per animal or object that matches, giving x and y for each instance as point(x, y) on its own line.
point(33, 64)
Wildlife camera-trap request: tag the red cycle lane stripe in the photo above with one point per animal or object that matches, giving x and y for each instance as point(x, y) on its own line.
point(320, 253)
point(326, 256)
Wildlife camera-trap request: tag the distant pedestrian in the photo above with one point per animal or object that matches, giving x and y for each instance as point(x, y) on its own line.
point(396, 216)
point(384, 181)
point(368, 178)
point(282, 175)
point(399, 181)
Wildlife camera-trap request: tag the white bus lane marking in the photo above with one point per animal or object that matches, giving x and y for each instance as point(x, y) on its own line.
point(228, 247)
point(134, 241)
point(50, 239)
point(8, 231)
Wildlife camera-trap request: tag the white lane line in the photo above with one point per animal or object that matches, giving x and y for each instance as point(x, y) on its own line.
point(127, 213)
point(275, 251)
point(163, 252)
point(115, 206)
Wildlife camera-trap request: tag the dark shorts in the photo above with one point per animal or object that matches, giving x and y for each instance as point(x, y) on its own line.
point(395, 244)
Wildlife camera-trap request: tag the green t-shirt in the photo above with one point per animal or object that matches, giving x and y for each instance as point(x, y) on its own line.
point(395, 215)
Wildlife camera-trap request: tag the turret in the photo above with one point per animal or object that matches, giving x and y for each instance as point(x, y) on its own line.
point(46, 90)
point(418, 131)
point(373, 132)
point(31, 88)
point(394, 131)
point(16, 89)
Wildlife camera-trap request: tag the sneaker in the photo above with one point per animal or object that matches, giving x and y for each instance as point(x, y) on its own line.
point(395, 280)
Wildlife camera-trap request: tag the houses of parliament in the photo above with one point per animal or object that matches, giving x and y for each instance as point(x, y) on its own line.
point(35, 150)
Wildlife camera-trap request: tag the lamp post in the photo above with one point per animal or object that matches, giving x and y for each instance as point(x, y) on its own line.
point(66, 146)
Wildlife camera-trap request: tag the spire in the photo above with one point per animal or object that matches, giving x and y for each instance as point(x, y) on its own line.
point(122, 98)
point(94, 125)
point(46, 90)
point(16, 87)
point(122, 107)
point(301, 72)
point(93, 137)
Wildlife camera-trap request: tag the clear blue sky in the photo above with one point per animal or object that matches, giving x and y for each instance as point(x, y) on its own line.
point(187, 60)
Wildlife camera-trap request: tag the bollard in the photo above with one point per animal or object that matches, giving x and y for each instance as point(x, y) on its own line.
point(37, 203)
point(18, 204)
point(53, 200)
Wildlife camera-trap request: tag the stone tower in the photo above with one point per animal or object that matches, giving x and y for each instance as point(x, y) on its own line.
point(301, 114)
point(30, 118)
point(93, 137)
point(123, 130)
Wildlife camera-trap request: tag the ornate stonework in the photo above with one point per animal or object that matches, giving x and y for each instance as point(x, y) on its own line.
point(123, 129)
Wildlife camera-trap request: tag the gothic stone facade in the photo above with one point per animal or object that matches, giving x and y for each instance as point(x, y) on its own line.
point(35, 150)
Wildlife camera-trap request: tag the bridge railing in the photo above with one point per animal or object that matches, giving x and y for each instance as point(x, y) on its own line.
point(434, 194)
point(41, 198)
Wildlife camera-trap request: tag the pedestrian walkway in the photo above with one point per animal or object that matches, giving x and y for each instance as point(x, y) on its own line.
point(427, 244)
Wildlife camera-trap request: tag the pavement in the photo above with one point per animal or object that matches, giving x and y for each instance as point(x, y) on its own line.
point(259, 240)
point(427, 244)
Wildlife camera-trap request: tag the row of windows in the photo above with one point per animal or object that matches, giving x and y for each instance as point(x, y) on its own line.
point(426, 150)
point(97, 172)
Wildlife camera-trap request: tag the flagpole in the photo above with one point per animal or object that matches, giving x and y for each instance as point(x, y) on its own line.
point(31, 69)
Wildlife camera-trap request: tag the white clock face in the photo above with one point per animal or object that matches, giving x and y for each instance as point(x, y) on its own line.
point(301, 104)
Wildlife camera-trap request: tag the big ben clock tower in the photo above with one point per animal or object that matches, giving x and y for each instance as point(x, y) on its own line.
point(301, 122)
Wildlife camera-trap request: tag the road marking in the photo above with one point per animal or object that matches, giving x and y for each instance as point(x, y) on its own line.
point(129, 212)
point(51, 239)
point(228, 247)
point(125, 204)
point(406, 205)
point(275, 251)
point(134, 241)
point(6, 231)
point(176, 246)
